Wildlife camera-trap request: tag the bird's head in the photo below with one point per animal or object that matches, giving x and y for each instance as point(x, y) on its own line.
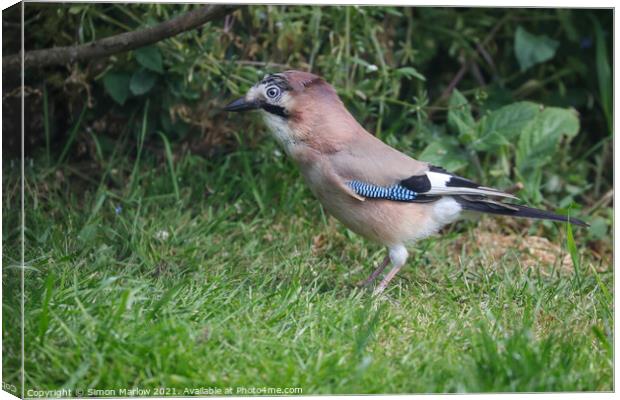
point(296, 106)
point(277, 93)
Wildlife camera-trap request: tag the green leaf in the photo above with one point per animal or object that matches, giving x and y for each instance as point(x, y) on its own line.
point(504, 125)
point(150, 58)
point(533, 49)
point(538, 142)
point(76, 9)
point(116, 84)
point(445, 153)
point(142, 81)
point(410, 72)
point(598, 228)
point(491, 141)
point(359, 61)
point(460, 119)
point(541, 136)
point(572, 250)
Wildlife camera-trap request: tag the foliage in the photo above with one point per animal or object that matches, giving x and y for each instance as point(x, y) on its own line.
point(536, 132)
point(531, 49)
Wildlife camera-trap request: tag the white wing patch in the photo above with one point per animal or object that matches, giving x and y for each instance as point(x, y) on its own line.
point(438, 179)
point(441, 186)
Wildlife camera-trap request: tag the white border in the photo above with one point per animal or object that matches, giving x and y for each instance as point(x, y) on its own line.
point(480, 3)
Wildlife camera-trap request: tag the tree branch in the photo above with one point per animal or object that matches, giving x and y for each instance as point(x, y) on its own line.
point(117, 43)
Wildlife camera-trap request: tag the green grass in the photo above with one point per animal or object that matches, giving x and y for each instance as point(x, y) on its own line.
point(254, 286)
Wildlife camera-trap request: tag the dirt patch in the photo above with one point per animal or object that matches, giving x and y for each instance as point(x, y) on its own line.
point(533, 251)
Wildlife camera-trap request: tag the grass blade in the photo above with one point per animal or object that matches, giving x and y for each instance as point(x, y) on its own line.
point(170, 160)
point(607, 296)
point(46, 125)
point(136, 164)
point(45, 318)
point(603, 71)
point(165, 299)
point(572, 249)
point(71, 139)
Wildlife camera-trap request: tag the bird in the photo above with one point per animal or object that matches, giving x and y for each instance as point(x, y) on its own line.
point(375, 190)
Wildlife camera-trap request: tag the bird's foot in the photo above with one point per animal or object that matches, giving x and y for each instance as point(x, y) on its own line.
point(375, 273)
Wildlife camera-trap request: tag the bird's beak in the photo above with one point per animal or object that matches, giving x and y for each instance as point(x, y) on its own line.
point(242, 105)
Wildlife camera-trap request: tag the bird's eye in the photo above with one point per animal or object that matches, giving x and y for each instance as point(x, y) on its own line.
point(273, 92)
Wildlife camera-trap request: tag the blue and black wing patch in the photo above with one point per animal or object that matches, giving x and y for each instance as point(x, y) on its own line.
point(395, 192)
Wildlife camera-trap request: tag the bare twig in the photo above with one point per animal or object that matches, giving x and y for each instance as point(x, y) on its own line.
point(603, 201)
point(468, 63)
point(475, 70)
point(265, 64)
point(487, 57)
point(118, 43)
point(455, 81)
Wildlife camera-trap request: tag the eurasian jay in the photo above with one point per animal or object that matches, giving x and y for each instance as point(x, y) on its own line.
point(373, 189)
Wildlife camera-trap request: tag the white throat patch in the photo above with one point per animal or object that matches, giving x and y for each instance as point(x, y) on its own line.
point(280, 130)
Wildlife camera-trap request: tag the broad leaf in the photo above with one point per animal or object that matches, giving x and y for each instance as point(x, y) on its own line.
point(116, 84)
point(445, 153)
point(142, 81)
point(598, 228)
point(504, 125)
point(541, 136)
point(539, 140)
point(533, 49)
point(150, 57)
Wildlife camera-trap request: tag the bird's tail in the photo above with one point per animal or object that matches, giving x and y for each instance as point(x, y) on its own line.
point(485, 205)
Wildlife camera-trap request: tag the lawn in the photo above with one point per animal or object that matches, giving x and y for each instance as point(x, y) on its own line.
point(223, 271)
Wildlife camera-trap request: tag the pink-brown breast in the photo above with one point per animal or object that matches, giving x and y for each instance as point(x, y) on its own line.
point(383, 221)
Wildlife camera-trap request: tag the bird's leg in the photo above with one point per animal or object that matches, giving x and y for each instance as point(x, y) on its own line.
point(398, 255)
point(377, 271)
